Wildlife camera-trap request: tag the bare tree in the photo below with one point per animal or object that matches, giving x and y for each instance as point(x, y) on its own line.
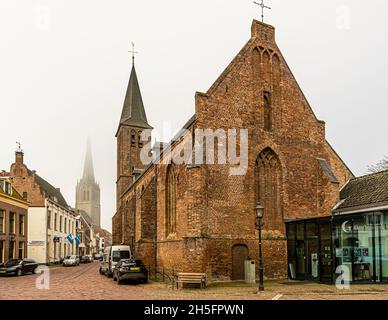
point(381, 166)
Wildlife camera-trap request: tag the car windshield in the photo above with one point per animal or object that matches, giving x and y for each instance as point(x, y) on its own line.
point(12, 263)
point(73, 257)
point(120, 255)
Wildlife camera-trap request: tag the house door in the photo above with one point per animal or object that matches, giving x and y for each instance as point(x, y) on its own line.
point(239, 255)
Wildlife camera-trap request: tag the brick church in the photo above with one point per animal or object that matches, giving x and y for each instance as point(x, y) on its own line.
point(200, 218)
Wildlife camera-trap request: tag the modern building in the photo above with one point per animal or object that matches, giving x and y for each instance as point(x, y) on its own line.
point(352, 243)
point(13, 222)
point(88, 190)
point(51, 222)
point(201, 218)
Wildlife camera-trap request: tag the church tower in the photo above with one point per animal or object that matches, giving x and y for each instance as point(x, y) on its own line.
point(129, 144)
point(88, 190)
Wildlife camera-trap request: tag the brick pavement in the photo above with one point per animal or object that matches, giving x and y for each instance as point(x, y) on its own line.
point(85, 283)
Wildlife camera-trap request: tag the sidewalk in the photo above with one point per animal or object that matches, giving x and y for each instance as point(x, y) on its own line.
point(274, 290)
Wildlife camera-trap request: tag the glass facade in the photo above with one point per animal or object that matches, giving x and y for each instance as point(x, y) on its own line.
point(361, 245)
point(356, 243)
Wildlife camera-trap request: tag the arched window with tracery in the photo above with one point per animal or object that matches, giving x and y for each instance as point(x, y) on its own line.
point(268, 187)
point(170, 201)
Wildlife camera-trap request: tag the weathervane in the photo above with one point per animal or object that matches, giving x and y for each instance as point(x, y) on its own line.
point(133, 52)
point(263, 6)
point(19, 147)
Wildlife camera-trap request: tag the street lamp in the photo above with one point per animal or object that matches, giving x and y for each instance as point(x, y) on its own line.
point(259, 212)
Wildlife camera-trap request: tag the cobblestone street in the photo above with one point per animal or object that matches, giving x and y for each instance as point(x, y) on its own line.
point(85, 283)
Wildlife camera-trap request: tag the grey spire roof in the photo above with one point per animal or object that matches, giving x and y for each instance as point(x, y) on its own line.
point(88, 174)
point(133, 113)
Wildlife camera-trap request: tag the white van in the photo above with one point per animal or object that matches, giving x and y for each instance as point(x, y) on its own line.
point(112, 255)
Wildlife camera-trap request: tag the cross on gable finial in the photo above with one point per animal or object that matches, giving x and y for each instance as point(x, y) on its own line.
point(133, 52)
point(263, 6)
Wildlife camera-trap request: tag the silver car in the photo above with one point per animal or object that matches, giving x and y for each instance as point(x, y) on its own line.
point(71, 261)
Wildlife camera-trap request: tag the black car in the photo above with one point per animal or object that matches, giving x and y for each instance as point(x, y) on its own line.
point(18, 267)
point(84, 259)
point(129, 269)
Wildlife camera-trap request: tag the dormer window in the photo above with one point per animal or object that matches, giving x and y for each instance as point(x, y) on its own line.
point(8, 188)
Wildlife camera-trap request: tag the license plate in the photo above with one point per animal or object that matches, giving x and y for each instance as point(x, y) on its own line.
point(135, 269)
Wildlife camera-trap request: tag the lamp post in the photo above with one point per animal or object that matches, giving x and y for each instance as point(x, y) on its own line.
point(259, 212)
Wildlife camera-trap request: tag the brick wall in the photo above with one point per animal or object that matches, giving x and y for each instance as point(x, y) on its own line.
point(215, 211)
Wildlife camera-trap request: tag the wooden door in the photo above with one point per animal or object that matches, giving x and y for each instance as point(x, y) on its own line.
point(240, 253)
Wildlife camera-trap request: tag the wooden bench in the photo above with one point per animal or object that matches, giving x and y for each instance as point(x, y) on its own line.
point(191, 278)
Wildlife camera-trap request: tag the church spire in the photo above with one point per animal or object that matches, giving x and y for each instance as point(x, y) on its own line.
point(133, 113)
point(88, 174)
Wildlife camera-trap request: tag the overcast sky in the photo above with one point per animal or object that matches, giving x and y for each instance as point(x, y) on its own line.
point(64, 68)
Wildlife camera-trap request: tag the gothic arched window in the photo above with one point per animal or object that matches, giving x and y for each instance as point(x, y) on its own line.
point(268, 187)
point(267, 112)
point(133, 138)
point(139, 140)
point(170, 201)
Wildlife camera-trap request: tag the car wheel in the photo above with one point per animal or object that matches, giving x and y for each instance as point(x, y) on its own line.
point(19, 272)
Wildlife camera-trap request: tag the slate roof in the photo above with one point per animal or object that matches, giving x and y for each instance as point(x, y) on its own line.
point(326, 168)
point(365, 192)
point(51, 192)
point(133, 113)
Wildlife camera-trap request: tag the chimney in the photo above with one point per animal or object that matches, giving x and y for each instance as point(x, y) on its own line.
point(263, 31)
point(19, 157)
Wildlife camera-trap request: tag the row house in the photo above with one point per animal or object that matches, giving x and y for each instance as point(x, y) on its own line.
point(13, 222)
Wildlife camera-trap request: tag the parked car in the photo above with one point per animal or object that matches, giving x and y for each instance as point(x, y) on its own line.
point(62, 259)
point(18, 267)
point(71, 261)
point(128, 269)
point(112, 255)
point(84, 259)
point(98, 256)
